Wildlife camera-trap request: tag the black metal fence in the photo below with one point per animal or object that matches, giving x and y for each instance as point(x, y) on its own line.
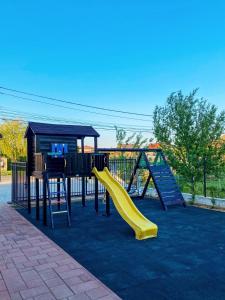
point(19, 183)
point(121, 169)
point(209, 186)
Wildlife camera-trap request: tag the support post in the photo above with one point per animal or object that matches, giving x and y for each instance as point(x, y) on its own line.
point(146, 186)
point(37, 199)
point(69, 193)
point(44, 201)
point(83, 177)
point(107, 206)
point(96, 195)
point(96, 180)
point(134, 172)
point(28, 195)
point(58, 193)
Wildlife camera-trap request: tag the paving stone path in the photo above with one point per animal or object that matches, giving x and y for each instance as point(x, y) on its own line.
point(33, 267)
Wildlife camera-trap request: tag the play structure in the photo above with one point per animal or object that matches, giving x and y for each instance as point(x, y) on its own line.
point(54, 157)
point(142, 227)
point(160, 173)
point(162, 177)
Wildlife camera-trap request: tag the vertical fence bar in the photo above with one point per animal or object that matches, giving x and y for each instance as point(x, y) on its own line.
point(58, 193)
point(44, 201)
point(13, 184)
point(28, 194)
point(83, 177)
point(37, 198)
point(69, 193)
point(96, 180)
point(107, 193)
point(204, 178)
point(16, 183)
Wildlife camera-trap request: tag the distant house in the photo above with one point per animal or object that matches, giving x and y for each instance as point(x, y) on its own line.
point(154, 146)
point(127, 146)
point(150, 146)
point(131, 146)
point(151, 155)
point(88, 149)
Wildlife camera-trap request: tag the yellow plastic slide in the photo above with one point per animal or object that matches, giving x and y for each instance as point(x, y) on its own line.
point(142, 226)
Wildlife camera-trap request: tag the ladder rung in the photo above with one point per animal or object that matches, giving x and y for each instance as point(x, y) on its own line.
point(60, 212)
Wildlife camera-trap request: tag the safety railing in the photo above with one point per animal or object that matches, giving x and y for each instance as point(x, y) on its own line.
point(121, 170)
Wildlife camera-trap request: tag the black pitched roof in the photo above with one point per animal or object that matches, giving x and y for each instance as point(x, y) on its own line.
point(58, 129)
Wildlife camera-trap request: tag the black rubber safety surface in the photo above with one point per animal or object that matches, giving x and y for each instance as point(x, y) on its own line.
point(185, 261)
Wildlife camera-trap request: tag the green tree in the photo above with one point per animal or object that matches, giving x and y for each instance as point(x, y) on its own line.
point(122, 138)
point(13, 144)
point(189, 131)
point(136, 139)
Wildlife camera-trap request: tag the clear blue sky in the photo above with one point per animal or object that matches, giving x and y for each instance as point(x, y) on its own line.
point(121, 54)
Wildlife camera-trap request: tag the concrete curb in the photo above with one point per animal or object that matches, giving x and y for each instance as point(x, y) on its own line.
point(199, 199)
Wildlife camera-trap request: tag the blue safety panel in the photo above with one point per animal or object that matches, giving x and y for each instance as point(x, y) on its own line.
point(166, 185)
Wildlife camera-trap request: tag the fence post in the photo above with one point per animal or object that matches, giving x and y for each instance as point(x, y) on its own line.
point(16, 183)
point(28, 190)
point(44, 206)
point(13, 183)
point(204, 177)
point(37, 198)
point(83, 177)
point(28, 195)
point(69, 193)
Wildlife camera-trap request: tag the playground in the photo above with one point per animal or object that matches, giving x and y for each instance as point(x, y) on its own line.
point(186, 261)
point(137, 246)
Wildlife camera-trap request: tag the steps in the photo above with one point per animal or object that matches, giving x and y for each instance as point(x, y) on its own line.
point(57, 199)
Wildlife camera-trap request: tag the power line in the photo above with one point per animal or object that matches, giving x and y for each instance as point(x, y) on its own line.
point(13, 114)
point(96, 127)
point(75, 103)
point(134, 126)
point(66, 107)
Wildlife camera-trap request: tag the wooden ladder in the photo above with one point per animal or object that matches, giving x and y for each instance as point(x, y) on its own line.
point(59, 196)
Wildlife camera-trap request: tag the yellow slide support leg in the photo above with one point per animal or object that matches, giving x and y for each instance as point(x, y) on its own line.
point(142, 227)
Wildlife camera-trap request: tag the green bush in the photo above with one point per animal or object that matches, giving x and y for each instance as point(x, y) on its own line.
point(5, 172)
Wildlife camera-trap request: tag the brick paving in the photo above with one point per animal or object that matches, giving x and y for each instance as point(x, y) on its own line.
point(33, 267)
